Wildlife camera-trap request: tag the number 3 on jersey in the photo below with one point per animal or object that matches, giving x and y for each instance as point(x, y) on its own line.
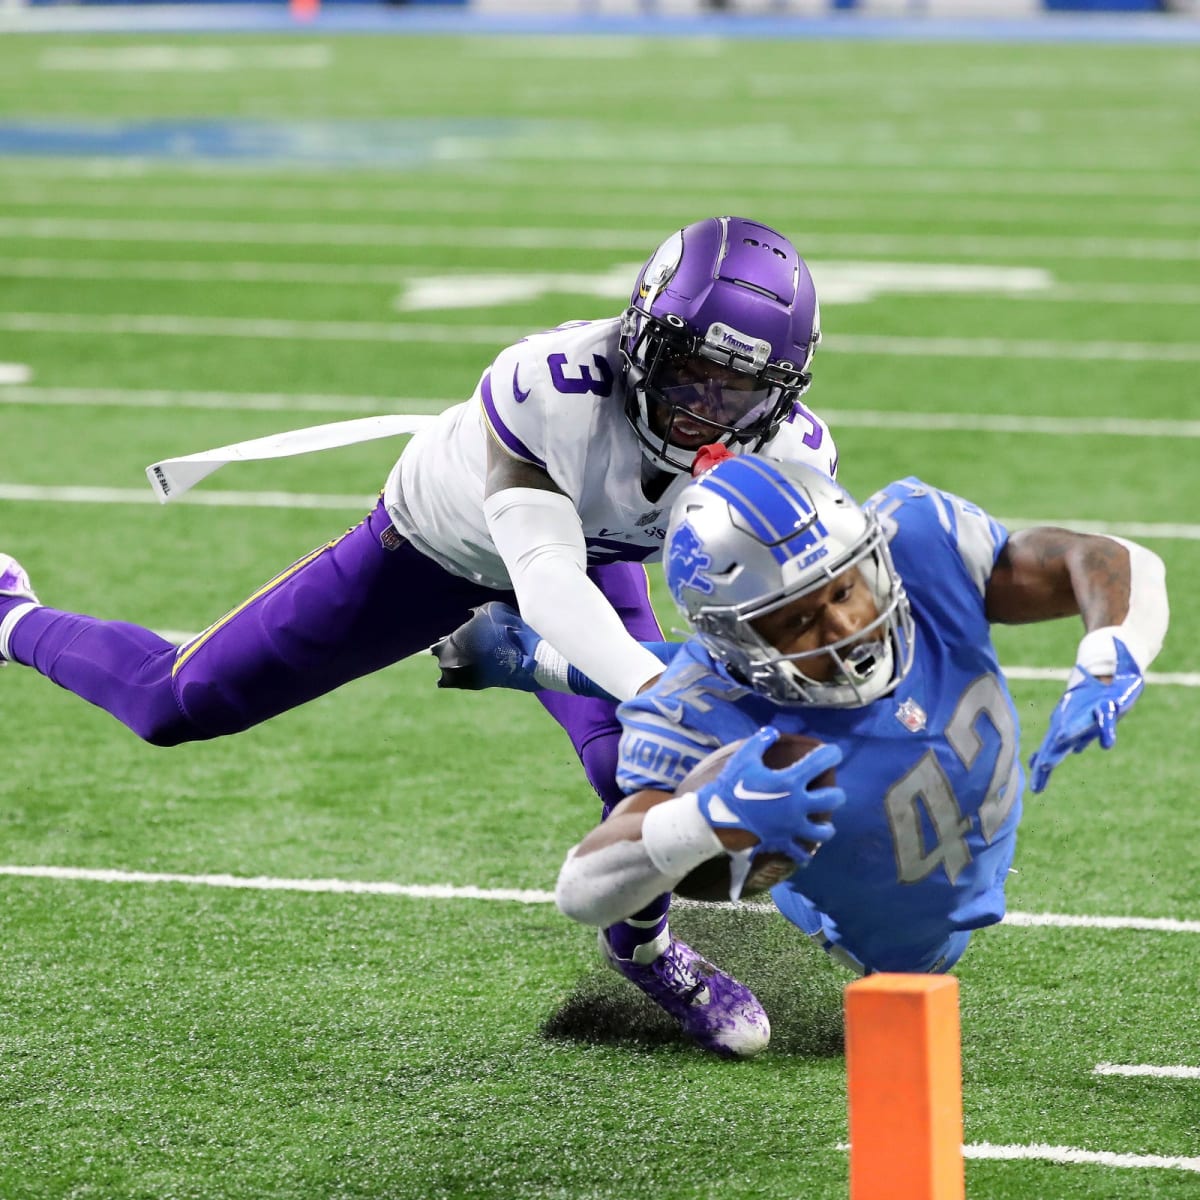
point(587, 382)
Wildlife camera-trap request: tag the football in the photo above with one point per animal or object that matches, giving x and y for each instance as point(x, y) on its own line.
point(710, 880)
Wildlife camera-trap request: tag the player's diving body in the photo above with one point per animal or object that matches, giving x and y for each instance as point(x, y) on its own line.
point(867, 628)
point(548, 488)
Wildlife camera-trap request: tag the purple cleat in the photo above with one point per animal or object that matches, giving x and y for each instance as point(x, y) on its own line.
point(14, 585)
point(712, 1008)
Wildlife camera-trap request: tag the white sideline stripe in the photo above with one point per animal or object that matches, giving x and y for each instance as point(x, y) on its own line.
point(37, 493)
point(1069, 1155)
point(446, 891)
point(1145, 1070)
point(524, 237)
point(381, 331)
point(1074, 427)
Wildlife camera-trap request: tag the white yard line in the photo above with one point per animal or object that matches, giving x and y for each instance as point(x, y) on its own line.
point(1140, 1070)
point(1068, 921)
point(133, 60)
point(897, 179)
point(524, 237)
point(37, 493)
point(20, 492)
point(1059, 675)
point(1068, 1155)
point(1073, 427)
point(369, 275)
point(440, 891)
point(236, 401)
point(272, 328)
point(43, 494)
point(597, 205)
point(12, 374)
point(215, 272)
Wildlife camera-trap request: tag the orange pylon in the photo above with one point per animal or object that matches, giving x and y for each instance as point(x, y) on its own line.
point(904, 1088)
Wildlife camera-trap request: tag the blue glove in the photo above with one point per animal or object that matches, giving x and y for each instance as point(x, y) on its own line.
point(777, 806)
point(1088, 710)
point(494, 648)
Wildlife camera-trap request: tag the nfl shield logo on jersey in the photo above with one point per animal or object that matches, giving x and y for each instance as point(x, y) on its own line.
point(912, 716)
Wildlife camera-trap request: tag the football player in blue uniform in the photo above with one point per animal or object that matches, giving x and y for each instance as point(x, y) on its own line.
point(868, 629)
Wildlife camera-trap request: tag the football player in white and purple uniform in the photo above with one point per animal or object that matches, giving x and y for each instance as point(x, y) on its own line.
point(548, 488)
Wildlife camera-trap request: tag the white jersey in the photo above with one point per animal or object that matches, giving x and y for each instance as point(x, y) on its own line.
point(554, 400)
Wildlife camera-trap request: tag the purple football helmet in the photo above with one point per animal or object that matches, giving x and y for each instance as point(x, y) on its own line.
point(717, 340)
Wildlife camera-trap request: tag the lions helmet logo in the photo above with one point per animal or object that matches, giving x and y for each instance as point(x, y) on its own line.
point(686, 564)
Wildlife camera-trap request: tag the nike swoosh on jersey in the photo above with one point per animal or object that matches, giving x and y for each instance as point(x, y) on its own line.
point(520, 394)
point(741, 792)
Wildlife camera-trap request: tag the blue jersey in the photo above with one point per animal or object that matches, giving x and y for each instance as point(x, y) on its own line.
point(931, 772)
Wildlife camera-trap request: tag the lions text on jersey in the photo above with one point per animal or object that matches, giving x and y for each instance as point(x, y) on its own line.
point(553, 400)
point(931, 772)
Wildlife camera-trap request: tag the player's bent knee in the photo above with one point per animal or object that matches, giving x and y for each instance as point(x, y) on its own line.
point(162, 721)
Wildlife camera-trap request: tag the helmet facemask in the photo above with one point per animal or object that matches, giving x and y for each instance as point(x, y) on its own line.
point(685, 391)
point(752, 537)
point(868, 663)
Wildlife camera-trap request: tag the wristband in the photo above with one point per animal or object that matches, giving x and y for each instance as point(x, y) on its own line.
point(677, 838)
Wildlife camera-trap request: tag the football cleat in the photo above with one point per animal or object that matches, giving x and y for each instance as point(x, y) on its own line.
point(14, 580)
point(712, 1008)
point(14, 585)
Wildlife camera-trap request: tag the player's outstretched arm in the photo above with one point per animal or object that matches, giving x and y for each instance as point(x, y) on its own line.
point(538, 534)
point(1119, 589)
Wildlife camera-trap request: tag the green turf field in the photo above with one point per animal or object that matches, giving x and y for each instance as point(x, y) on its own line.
point(424, 201)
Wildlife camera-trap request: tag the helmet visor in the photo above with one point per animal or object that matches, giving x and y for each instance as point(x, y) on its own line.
point(699, 399)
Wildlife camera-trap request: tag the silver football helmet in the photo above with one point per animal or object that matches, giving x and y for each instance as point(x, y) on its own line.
point(754, 534)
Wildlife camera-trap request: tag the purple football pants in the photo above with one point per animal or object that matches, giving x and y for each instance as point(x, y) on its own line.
point(351, 607)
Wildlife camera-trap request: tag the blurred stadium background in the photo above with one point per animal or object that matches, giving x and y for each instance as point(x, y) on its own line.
point(318, 960)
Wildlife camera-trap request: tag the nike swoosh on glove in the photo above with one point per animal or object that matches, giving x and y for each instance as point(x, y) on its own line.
point(777, 806)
